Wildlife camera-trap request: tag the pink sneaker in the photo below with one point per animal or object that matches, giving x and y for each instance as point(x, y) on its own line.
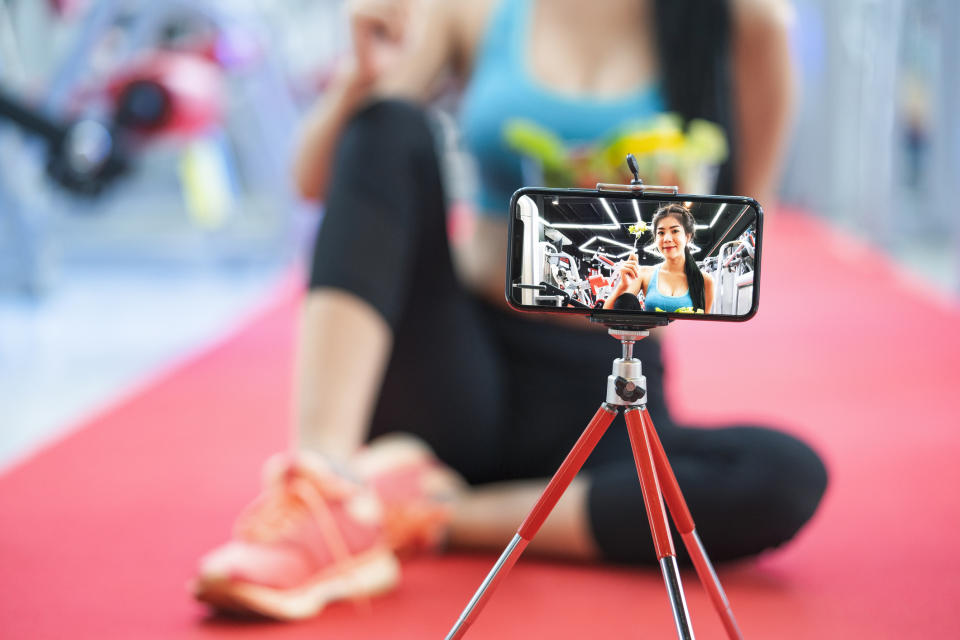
point(312, 537)
point(416, 489)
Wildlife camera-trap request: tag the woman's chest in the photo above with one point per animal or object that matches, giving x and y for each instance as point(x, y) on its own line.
point(672, 284)
point(569, 48)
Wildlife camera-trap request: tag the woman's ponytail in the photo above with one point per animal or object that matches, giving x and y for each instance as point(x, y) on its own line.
point(690, 269)
point(694, 280)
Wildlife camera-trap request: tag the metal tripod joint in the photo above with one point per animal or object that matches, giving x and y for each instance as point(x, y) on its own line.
point(627, 337)
point(626, 386)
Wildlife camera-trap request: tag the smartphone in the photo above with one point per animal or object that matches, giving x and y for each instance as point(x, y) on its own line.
point(654, 257)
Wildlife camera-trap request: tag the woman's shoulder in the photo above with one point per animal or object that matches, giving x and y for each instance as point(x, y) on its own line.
point(752, 16)
point(443, 35)
point(469, 20)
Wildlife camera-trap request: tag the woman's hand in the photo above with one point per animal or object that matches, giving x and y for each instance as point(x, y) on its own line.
point(380, 30)
point(629, 275)
point(630, 280)
point(400, 49)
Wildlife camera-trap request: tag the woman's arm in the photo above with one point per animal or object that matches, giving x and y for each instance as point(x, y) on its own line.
point(708, 292)
point(393, 55)
point(764, 89)
point(633, 278)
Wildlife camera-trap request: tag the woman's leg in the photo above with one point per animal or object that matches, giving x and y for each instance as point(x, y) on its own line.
point(554, 379)
point(388, 328)
point(341, 354)
point(489, 515)
point(385, 318)
point(748, 489)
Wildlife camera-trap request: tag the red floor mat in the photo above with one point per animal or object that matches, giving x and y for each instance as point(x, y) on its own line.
point(99, 533)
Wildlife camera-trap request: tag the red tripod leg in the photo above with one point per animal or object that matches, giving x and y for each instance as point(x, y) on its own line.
point(688, 532)
point(528, 529)
point(657, 515)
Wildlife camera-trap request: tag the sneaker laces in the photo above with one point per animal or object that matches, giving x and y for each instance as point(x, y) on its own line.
point(293, 495)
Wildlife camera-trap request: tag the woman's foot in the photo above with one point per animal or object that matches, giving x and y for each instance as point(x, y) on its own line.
point(416, 489)
point(312, 537)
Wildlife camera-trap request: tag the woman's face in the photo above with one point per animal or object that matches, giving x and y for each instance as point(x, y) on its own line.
point(670, 237)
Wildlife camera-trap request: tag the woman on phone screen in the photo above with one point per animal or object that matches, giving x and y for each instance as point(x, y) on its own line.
point(676, 284)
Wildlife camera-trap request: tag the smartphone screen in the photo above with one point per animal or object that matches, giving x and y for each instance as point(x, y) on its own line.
point(669, 256)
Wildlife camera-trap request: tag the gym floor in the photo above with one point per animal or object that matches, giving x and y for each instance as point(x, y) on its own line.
point(105, 331)
point(108, 522)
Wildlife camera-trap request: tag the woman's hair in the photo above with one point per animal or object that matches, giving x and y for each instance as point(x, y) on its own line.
point(694, 48)
point(690, 268)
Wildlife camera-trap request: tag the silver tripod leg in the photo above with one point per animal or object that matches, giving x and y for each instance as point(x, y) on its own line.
point(708, 576)
point(506, 561)
point(681, 616)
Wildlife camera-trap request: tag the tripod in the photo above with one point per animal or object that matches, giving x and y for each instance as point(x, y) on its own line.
point(626, 387)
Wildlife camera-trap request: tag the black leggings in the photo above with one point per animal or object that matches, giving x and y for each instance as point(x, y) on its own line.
point(500, 396)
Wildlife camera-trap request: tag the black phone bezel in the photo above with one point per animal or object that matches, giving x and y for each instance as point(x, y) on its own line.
point(600, 314)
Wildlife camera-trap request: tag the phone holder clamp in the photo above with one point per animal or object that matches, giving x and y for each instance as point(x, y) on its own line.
point(637, 184)
point(629, 322)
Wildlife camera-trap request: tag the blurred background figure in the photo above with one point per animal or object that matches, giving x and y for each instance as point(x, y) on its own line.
point(146, 198)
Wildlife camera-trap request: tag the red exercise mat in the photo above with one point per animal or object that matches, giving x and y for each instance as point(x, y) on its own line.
point(100, 532)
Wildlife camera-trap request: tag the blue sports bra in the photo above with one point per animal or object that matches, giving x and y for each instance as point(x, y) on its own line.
point(502, 88)
point(655, 300)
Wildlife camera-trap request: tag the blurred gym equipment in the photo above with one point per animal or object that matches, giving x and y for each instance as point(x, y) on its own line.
point(170, 120)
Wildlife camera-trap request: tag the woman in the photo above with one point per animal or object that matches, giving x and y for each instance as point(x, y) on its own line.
point(676, 284)
point(394, 338)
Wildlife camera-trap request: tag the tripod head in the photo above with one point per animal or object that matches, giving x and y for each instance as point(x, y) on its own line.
point(626, 386)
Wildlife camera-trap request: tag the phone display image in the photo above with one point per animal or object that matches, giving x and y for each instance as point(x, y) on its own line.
point(623, 253)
